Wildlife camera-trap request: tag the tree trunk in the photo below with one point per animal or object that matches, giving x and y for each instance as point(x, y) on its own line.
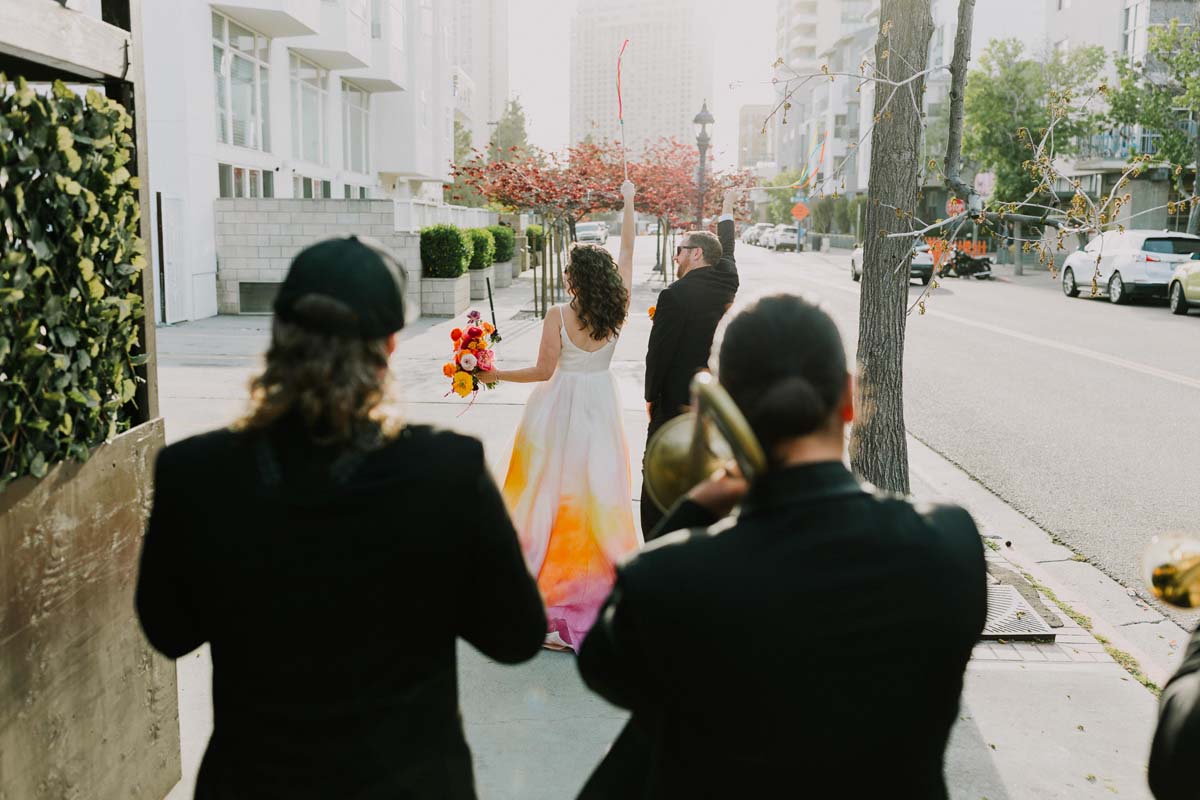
point(878, 450)
point(547, 233)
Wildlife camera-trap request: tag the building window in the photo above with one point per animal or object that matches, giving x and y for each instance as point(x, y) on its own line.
point(311, 188)
point(310, 90)
point(1134, 22)
point(356, 128)
point(354, 192)
point(241, 80)
point(235, 181)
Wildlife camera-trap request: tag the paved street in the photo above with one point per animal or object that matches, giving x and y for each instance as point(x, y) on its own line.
point(1074, 411)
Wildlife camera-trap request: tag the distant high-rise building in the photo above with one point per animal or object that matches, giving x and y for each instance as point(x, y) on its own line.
point(667, 71)
point(479, 47)
point(754, 144)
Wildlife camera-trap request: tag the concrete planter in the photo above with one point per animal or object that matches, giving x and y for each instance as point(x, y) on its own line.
point(516, 265)
point(478, 282)
point(445, 297)
point(504, 274)
point(87, 708)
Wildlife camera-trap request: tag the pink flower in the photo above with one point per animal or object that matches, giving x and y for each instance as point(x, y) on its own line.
point(486, 359)
point(473, 316)
point(468, 362)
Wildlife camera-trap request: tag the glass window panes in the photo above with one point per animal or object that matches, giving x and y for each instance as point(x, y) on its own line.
point(356, 128)
point(235, 181)
point(309, 84)
point(224, 180)
point(268, 184)
point(241, 78)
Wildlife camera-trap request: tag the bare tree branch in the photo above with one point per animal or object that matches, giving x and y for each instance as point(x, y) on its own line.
point(958, 82)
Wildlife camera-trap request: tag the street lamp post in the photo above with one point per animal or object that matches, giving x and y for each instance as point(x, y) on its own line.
point(702, 121)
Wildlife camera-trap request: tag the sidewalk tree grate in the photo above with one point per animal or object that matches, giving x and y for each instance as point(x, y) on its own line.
point(1011, 618)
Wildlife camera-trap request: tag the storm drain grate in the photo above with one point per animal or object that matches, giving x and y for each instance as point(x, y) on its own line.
point(1011, 618)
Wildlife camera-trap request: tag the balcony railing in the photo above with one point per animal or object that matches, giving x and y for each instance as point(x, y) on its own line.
point(412, 215)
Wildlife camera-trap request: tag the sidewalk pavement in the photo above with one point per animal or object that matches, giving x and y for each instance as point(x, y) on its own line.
point(1061, 720)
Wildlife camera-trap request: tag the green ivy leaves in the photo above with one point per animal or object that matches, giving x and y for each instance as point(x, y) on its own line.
point(70, 272)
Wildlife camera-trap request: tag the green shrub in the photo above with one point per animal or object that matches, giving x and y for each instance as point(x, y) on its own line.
point(70, 277)
point(445, 251)
point(536, 236)
point(484, 252)
point(506, 242)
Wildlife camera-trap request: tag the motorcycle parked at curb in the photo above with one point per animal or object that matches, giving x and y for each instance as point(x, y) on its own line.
point(964, 265)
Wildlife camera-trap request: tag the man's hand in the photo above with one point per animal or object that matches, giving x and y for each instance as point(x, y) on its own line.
point(627, 192)
point(721, 492)
point(650, 410)
point(730, 198)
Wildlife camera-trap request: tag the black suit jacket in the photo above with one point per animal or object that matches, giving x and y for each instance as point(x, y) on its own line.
point(815, 648)
point(685, 319)
point(1176, 749)
point(332, 609)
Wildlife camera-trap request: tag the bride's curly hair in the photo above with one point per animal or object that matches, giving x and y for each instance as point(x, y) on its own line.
point(600, 299)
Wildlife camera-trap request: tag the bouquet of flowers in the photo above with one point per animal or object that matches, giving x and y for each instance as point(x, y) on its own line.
point(473, 356)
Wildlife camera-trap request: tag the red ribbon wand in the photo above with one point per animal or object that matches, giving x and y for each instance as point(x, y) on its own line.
point(621, 108)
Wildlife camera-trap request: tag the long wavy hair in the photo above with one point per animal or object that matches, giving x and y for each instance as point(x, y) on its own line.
point(340, 386)
point(599, 297)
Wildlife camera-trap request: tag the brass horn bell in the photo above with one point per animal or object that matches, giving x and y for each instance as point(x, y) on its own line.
point(683, 452)
point(1171, 566)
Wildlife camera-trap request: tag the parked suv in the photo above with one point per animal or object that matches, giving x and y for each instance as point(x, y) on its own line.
point(1136, 263)
point(921, 266)
point(591, 232)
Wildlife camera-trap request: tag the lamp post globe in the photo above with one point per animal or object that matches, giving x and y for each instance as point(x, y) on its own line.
point(701, 121)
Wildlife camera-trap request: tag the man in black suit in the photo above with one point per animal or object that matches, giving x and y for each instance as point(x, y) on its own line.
point(1176, 749)
point(685, 319)
point(816, 646)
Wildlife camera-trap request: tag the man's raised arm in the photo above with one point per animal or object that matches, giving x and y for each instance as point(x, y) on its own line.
point(727, 229)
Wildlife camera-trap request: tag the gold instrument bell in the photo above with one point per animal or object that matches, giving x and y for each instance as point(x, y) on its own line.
point(683, 452)
point(1171, 566)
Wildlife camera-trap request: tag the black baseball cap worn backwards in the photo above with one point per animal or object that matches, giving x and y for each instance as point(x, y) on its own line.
point(344, 287)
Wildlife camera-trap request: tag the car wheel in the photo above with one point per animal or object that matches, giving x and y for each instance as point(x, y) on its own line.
point(1116, 290)
point(1179, 303)
point(926, 278)
point(854, 272)
point(1069, 287)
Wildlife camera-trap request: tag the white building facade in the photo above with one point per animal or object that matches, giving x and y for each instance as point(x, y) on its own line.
point(666, 73)
point(288, 99)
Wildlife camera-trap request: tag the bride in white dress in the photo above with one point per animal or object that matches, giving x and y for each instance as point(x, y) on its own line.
point(568, 481)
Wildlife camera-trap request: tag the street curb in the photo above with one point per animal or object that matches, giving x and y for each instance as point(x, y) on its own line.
point(1117, 614)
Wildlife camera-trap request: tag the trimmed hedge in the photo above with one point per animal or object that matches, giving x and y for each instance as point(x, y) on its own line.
point(445, 251)
point(506, 242)
point(70, 276)
point(484, 252)
point(535, 235)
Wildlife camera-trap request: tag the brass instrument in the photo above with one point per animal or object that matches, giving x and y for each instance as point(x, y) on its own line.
point(683, 451)
point(1171, 566)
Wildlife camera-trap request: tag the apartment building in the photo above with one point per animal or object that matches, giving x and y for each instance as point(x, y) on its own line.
point(301, 99)
point(754, 144)
point(667, 71)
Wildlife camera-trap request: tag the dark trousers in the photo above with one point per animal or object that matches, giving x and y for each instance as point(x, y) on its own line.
point(651, 514)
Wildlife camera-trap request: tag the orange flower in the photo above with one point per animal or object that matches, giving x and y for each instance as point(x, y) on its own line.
point(456, 334)
point(448, 370)
point(487, 328)
point(650, 311)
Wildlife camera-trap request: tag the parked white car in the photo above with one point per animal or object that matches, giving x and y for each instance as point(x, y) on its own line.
point(1184, 291)
point(783, 237)
point(921, 266)
point(1137, 263)
point(591, 232)
point(754, 234)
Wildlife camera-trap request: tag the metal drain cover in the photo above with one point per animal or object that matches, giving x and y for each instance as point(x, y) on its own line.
point(1011, 618)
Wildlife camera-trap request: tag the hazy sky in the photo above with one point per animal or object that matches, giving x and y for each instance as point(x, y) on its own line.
point(539, 67)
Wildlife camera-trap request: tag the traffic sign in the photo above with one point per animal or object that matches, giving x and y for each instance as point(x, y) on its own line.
point(955, 206)
point(799, 212)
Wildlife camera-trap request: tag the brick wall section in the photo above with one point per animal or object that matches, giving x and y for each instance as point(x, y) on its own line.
point(256, 240)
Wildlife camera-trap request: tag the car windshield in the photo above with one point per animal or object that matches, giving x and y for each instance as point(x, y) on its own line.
point(1174, 245)
point(587, 227)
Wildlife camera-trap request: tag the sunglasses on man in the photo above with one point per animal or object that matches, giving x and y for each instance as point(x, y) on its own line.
point(679, 248)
